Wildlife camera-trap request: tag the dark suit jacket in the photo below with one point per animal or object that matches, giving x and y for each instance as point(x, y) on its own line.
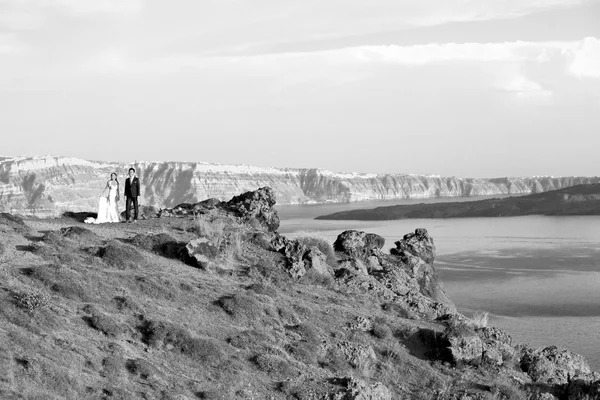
point(132, 189)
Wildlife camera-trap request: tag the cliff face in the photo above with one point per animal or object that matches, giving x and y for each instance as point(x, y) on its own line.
point(49, 185)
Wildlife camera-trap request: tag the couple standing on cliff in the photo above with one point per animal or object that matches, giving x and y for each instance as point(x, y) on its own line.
point(108, 209)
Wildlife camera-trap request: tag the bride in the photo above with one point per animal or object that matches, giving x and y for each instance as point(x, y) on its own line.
point(108, 210)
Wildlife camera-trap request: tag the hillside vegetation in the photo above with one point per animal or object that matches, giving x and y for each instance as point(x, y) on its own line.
point(576, 200)
point(208, 301)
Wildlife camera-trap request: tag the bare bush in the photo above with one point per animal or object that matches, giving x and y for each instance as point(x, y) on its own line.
point(32, 299)
point(311, 239)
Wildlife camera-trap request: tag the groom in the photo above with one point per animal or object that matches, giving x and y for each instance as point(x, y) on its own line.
point(132, 191)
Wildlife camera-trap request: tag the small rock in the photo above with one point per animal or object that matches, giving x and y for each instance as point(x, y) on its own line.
point(203, 251)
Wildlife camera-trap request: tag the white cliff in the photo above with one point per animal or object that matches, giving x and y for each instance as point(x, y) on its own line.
point(51, 185)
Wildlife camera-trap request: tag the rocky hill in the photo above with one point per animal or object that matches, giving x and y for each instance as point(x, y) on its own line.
point(575, 200)
point(49, 186)
point(208, 301)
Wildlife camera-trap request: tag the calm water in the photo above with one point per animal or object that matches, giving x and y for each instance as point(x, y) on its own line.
point(538, 277)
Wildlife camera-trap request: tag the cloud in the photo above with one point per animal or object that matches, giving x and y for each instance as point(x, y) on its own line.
point(586, 59)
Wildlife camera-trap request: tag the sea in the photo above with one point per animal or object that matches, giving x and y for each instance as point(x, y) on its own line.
point(538, 277)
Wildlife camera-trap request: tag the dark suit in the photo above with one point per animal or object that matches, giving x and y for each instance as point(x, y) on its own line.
point(132, 191)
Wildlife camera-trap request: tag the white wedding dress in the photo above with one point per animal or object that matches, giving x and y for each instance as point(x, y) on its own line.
point(108, 208)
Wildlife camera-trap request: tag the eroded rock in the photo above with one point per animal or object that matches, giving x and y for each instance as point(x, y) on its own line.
point(358, 244)
point(419, 244)
point(257, 205)
point(553, 365)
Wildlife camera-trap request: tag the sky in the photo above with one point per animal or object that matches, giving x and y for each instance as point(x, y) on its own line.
point(472, 88)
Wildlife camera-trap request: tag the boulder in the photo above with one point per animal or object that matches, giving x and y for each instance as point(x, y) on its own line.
point(299, 258)
point(419, 244)
point(257, 205)
point(355, 389)
point(357, 354)
point(358, 244)
point(465, 349)
point(203, 251)
point(553, 365)
point(497, 349)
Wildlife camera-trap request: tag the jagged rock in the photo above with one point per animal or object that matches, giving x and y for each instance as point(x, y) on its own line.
point(497, 347)
point(553, 365)
point(494, 334)
point(357, 354)
point(426, 276)
point(584, 387)
point(354, 389)
point(300, 258)
point(257, 205)
point(419, 244)
point(203, 251)
point(465, 349)
point(358, 244)
point(361, 324)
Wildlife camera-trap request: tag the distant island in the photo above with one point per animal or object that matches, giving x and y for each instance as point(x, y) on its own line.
point(575, 200)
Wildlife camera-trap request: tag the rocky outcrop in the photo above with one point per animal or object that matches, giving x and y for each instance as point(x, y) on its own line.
point(553, 365)
point(358, 244)
point(299, 258)
point(419, 244)
point(401, 278)
point(49, 186)
point(257, 206)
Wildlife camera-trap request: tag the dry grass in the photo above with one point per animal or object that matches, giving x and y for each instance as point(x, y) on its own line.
point(480, 320)
point(312, 239)
point(212, 229)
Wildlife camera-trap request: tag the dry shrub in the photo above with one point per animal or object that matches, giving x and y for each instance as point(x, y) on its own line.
point(119, 255)
point(311, 239)
point(213, 230)
point(14, 222)
point(2, 249)
point(480, 320)
point(241, 306)
point(32, 299)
